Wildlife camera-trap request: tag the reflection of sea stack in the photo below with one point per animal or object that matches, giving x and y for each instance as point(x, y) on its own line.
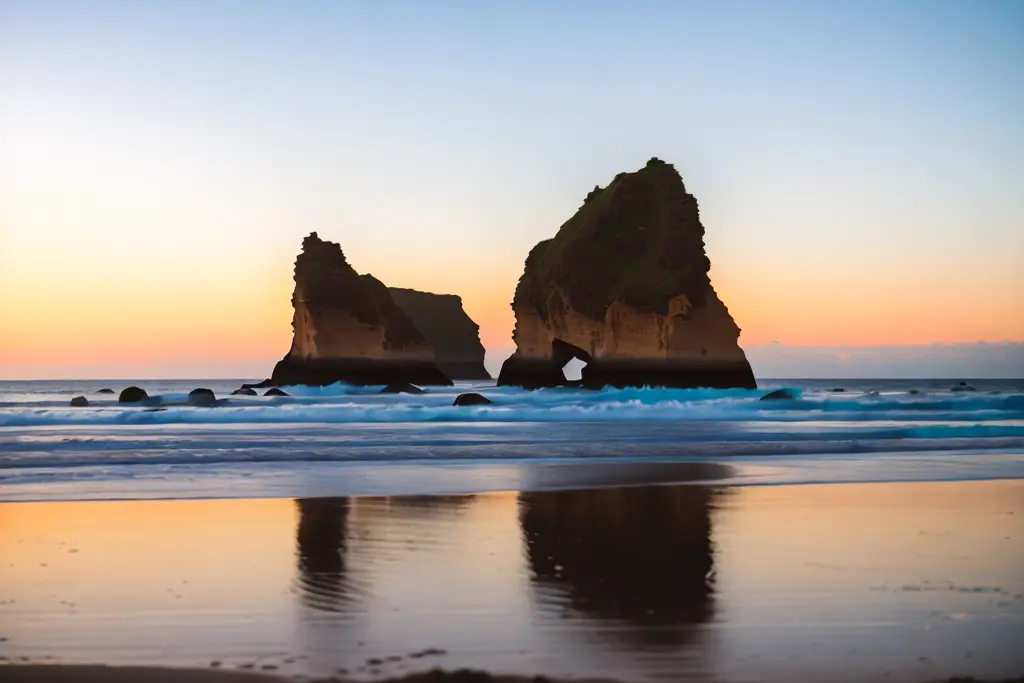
point(347, 328)
point(624, 286)
point(452, 333)
point(320, 541)
point(637, 554)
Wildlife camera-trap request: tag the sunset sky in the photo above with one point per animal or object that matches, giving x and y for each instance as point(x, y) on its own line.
point(859, 165)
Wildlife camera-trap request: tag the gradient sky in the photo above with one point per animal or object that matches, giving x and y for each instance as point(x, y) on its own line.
point(859, 166)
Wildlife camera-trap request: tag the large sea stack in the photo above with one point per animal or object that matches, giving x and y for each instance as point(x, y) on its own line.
point(347, 328)
point(452, 333)
point(624, 287)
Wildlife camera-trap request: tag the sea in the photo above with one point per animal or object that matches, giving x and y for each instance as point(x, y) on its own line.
point(342, 440)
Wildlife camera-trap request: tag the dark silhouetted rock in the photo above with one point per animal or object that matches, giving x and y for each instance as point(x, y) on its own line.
point(778, 395)
point(132, 395)
point(79, 402)
point(624, 287)
point(452, 333)
point(203, 398)
point(401, 389)
point(105, 391)
point(154, 410)
point(837, 390)
point(274, 391)
point(347, 328)
point(244, 391)
point(914, 391)
point(471, 400)
point(963, 386)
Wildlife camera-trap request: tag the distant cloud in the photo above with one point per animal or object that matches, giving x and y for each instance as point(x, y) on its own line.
point(978, 360)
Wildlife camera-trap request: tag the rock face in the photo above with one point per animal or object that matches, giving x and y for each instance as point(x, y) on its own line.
point(452, 333)
point(347, 328)
point(624, 287)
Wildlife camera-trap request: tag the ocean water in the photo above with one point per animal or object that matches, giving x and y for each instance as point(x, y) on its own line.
point(342, 440)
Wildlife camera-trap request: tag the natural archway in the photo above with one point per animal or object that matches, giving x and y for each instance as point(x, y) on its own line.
point(570, 359)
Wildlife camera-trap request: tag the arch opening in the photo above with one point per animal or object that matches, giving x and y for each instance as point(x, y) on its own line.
point(571, 359)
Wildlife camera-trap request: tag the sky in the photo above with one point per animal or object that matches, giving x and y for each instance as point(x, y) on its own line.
point(859, 166)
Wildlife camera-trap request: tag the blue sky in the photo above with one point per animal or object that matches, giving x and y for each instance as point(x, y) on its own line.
point(859, 166)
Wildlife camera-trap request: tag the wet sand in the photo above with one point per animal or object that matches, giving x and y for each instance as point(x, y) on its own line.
point(846, 582)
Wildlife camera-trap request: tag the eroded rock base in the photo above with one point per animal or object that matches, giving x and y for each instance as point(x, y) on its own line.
point(370, 372)
point(536, 374)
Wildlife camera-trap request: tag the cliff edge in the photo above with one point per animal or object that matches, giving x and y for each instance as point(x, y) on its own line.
point(624, 287)
point(446, 325)
point(347, 328)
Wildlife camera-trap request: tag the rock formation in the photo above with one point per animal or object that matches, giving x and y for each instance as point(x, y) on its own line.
point(203, 398)
point(624, 287)
point(471, 400)
point(452, 333)
point(347, 328)
point(132, 395)
point(79, 402)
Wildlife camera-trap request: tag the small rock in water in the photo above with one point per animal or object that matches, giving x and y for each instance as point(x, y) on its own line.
point(914, 391)
point(203, 398)
point(132, 395)
point(275, 392)
point(79, 402)
point(837, 390)
point(105, 391)
point(244, 391)
point(778, 394)
point(471, 400)
point(401, 388)
point(963, 386)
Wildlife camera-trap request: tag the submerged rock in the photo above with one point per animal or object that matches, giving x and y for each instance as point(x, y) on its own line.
point(623, 286)
point(452, 333)
point(132, 395)
point(837, 390)
point(779, 394)
point(401, 389)
point(347, 328)
point(79, 402)
point(244, 391)
point(276, 392)
point(203, 398)
point(105, 391)
point(471, 400)
point(963, 386)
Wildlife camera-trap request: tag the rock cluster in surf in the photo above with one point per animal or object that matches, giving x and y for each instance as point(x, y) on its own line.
point(624, 287)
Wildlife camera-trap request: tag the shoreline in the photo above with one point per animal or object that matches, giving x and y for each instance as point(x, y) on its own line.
point(101, 673)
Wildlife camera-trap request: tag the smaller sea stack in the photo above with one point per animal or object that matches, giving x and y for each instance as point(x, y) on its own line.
point(347, 328)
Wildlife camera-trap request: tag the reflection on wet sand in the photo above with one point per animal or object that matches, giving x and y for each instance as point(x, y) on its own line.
point(859, 582)
point(642, 556)
point(320, 549)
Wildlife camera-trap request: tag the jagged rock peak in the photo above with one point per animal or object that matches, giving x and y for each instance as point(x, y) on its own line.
point(624, 286)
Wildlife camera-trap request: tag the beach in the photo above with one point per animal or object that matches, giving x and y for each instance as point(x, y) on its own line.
point(891, 581)
point(635, 535)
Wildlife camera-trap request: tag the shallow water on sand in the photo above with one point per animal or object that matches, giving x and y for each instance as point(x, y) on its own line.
point(915, 581)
